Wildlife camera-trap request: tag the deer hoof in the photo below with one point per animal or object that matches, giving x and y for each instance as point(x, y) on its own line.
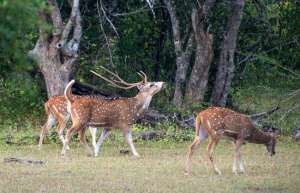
point(217, 171)
point(186, 173)
point(68, 148)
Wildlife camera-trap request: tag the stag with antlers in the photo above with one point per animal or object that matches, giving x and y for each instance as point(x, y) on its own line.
point(217, 122)
point(109, 113)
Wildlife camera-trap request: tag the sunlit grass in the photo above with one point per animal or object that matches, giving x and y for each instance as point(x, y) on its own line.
point(160, 169)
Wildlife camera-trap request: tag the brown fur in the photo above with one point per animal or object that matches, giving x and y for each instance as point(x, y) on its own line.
point(56, 110)
point(116, 113)
point(220, 122)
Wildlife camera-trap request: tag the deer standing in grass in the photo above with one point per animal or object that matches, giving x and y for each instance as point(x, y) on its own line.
point(109, 113)
point(217, 122)
point(56, 110)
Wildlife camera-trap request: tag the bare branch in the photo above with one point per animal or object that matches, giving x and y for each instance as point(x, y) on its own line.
point(105, 36)
point(289, 111)
point(143, 9)
point(43, 34)
point(69, 25)
point(107, 19)
point(42, 42)
point(207, 6)
point(56, 17)
point(256, 117)
point(151, 6)
point(175, 26)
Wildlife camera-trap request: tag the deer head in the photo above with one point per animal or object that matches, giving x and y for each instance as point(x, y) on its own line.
point(146, 89)
point(271, 144)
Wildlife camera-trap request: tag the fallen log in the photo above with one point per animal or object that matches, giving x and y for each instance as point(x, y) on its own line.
point(259, 116)
point(22, 161)
point(152, 116)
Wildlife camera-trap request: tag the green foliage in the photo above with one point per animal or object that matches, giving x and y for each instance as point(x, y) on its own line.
point(17, 18)
point(255, 99)
point(20, 99)
point(269, 37)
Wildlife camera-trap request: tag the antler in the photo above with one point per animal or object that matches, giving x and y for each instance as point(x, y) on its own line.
point(119, 80)
point(143, 76)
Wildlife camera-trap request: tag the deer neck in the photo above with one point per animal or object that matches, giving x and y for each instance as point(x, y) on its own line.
point(260, 137)
point(140, 103)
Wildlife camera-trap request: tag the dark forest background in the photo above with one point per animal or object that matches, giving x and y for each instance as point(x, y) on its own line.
point(236, 53)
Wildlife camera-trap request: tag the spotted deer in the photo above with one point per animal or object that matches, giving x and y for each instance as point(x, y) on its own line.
point(56, 110)
point(216, 123)
point(109, 113)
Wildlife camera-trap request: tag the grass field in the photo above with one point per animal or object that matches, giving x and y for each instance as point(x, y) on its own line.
point(159, 169)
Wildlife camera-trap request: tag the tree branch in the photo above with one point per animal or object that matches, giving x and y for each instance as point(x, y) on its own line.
point(256, 117)
point(175, 26)
point(107, 19)
point(42, 42)
point(207, 6)
point(105, 36)
point(69, 25)
point(56, 17)
point(289, 111)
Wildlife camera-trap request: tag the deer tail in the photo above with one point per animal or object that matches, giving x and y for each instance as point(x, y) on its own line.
point(198, 124)
point(47, 108)
point(68, 91)
point(200, 130)
point(68, 95)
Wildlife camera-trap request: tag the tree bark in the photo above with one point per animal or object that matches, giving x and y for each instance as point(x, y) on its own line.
point(225, 70)
point(196, 87)
point(56, 52)
point(182, 54)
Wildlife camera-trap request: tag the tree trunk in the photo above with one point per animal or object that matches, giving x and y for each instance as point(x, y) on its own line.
point(55, 78)
point(179, 80)
point(56, 52)
point(182, 54)
point(225, 71)
point(196, 87)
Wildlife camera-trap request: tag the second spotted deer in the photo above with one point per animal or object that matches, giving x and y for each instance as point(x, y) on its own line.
point(109, 113)
point(56, 110)
point(216, 123)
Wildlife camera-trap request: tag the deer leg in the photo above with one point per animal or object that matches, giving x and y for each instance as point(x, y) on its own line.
point(103, 136)
point(190, 153)
point(210, 150)
point(50, 122)
point(93, 131)
point(60, 129)
point(234, 167)
point(242, 166)
point(237, 157)
point(69, 135)
point(128, 136)
point(83, 142)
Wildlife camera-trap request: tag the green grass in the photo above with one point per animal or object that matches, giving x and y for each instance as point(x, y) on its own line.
point(160, 169)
